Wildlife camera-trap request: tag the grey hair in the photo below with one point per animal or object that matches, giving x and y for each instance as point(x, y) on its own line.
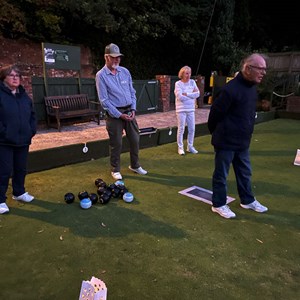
point(250, 59)
point(5, 71)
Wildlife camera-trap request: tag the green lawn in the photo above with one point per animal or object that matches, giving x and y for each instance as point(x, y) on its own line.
point(163, 245)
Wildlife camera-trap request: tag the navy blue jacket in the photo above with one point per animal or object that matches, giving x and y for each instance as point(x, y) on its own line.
point(17, 117)
point(232, 115)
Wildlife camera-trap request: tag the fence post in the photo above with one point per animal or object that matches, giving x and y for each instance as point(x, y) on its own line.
point(200, 81)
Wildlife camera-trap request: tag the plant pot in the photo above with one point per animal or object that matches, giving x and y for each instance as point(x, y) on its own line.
point(265, 105)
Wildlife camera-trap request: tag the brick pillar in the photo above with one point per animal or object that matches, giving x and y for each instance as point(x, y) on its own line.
point(165, 89)
point(200, 80)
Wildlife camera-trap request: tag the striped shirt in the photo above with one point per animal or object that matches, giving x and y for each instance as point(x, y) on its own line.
point(115, 90)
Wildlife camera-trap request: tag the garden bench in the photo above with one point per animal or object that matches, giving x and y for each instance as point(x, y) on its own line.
point(71, 106)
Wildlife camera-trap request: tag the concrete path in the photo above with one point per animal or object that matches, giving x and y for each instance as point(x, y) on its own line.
point(91, 131)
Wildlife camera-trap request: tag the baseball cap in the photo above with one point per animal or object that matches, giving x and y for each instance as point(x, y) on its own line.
point(113, 50)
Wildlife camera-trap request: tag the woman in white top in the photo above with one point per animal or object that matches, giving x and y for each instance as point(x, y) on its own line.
point(186, 91)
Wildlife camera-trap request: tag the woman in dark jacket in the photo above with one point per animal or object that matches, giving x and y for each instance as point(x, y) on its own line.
point(17, 127)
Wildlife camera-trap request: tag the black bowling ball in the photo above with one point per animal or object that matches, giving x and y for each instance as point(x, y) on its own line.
point(116, 192)
point(93, 197)
point(103, 184)
point(83, 194)
point(123, 190)
point(99, 182)
point(111, 186)
point(108, 192)
point(104, 198)
point(101, 190)
point(69, 197)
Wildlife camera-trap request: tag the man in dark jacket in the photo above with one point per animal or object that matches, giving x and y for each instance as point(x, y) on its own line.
point(231, 123)
point(17, 127)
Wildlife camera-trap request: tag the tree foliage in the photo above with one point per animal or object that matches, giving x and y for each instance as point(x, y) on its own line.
point(156, 36)
point(12, 20)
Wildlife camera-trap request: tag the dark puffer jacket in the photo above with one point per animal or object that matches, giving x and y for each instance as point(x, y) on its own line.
point(17, 117)
point(232, 115)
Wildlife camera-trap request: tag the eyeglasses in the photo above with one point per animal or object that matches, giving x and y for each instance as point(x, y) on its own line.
point(13, 76)
point(258, 68)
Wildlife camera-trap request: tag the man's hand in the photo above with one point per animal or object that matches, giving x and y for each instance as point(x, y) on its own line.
point(129, 116)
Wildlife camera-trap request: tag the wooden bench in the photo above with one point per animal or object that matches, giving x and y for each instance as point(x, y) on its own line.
point(71, 106)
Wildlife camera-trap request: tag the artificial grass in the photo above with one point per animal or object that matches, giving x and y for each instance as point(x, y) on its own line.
point(163, 245)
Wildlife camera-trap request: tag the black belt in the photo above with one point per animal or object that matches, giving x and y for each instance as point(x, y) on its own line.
point(124, 107)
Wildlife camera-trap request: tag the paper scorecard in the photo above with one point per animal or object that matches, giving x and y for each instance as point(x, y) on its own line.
point(297, 158)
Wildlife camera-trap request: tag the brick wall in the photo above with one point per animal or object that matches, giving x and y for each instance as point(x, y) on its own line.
point(29, 57)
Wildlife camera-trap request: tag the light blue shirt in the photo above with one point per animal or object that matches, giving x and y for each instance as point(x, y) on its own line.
point(115, 90)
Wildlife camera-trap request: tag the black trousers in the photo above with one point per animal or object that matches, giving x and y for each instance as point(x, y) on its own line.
point(13, 163)
point(115, 128)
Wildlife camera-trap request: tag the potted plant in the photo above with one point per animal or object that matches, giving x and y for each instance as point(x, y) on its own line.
point(293, 101)
point(275, 90)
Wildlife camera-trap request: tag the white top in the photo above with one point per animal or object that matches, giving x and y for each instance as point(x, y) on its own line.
point(186, 103)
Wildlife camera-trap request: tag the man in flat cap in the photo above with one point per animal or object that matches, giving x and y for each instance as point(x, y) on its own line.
point(118, 99)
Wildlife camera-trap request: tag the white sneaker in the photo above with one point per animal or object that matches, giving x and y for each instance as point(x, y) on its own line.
point(25, 197)
point(116, 175)
point(224, 211)
point(256, 206)
point(180, 151)
point(139, 170)
point(192, 150)
point(3, 208)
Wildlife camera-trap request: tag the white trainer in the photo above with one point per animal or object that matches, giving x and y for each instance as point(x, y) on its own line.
point(24, 197)
point(192, 150)
point(256, 206)
point(138, 170)
point(224, 211)
point(116, 175)
point(3, 208)
point(180, 151)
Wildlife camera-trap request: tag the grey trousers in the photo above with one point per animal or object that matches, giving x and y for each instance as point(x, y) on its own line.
point(115, 128)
